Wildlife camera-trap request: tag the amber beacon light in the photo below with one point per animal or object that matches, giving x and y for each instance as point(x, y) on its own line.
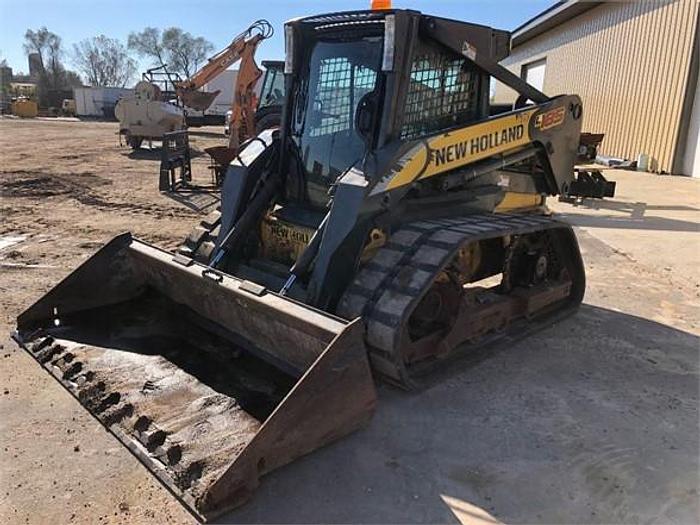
point(381, 4)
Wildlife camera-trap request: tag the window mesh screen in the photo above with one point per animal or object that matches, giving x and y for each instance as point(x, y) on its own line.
point(442, 93)
point(339, 89)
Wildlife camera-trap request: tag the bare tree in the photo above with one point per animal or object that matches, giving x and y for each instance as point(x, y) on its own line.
point(179, 50)
point(71, 79)
point(104, 62)
point(186, 51)
point(48, 46)
point(147, 43)
point(53, 76)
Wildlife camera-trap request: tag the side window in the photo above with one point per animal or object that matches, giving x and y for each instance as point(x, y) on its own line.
point(340, 87)
point(278, 87)
point(443, 92)
point(272, 92)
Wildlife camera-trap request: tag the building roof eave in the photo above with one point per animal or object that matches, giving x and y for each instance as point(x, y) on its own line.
point(549, 18)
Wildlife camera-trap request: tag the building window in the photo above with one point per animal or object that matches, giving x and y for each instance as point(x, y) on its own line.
point(533, 73)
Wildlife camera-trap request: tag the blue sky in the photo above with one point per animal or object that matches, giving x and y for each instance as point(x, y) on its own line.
point(217, 20)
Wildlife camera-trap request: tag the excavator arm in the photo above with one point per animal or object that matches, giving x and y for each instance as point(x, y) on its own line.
point(241, 48)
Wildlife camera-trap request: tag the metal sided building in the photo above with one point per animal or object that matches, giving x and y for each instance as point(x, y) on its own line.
point(634, 64)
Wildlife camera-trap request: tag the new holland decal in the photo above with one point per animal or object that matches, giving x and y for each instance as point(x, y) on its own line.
point(476, 145)
point(461, 147)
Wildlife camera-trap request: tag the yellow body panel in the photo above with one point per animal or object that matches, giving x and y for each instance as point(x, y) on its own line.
point(458, 148)
point(519, 201)
point(283, 241)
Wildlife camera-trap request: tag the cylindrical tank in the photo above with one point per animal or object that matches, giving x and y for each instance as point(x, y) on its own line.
point(144, 115)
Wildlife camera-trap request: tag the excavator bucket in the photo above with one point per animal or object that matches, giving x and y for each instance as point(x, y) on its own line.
point(198, 100)
point(209, 380)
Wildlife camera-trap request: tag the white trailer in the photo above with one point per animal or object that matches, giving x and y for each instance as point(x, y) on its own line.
point(224, 83)
point(98, 102)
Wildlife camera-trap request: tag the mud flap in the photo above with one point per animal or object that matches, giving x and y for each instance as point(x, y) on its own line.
point(210, 381)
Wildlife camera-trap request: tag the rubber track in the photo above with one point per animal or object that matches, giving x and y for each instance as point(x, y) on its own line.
point(387, 289)
point(200, 243)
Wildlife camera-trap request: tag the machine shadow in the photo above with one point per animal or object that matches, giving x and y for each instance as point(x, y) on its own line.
point(145, 153)
point(634, 222)
point(208, 134)
point(557, 427)
point(201, 199)
point(155, 152)
point(635, 209)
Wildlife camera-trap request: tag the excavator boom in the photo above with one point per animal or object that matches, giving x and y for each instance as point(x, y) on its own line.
point(242, 47)
point(242, 122)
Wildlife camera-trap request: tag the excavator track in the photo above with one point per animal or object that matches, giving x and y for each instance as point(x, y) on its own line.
point(387, 289)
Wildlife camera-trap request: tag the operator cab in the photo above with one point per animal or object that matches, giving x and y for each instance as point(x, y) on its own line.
point(347, 99)
point(359, 85)
point(360, 88)
point(272, 91)
point(323, 121)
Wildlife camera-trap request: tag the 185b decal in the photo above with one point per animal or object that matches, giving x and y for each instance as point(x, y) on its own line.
point(551, 118)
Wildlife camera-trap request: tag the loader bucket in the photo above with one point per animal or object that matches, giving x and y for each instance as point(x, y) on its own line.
point(209, 380)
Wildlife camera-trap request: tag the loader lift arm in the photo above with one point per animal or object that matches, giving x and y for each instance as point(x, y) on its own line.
point(243, 48)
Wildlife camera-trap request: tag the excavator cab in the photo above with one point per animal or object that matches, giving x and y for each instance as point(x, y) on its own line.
point(272, 90)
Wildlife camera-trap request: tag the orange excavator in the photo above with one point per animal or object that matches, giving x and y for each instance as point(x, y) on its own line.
point(242, 125)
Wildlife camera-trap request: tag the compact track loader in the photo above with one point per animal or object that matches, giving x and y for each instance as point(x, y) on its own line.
point(390, 223)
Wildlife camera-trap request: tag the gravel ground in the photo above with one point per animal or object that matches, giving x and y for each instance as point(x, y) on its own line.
point(593, 420)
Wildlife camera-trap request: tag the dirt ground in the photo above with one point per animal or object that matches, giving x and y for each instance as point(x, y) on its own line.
point(66, 189)
point(593, 420)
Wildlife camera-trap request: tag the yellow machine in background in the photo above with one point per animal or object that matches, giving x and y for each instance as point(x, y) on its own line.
point(24, 108)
